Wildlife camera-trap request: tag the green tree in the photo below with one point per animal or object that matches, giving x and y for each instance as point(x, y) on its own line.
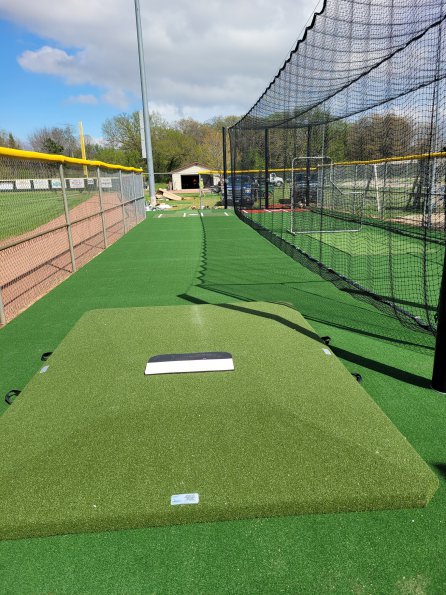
point(173, 145)
point(123, 132)
point(12, 142)
point(51, 146)
point(7, 139)
point(336, 141)
point(378, 136)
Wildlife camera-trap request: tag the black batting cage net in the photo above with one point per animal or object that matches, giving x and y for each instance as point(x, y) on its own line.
point(342, 160)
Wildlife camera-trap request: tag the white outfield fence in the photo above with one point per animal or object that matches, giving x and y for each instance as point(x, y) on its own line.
point(56, 214)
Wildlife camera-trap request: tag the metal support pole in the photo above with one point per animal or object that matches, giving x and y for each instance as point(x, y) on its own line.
point(200, 191)
point(145, 106)
point(101, 206)
point(266, 167)
point(67, 218)
point(2, 309)
point(122, 201)
point(225, 168)
point(439, 371)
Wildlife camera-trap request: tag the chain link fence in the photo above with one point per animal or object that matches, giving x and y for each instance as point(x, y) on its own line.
point(56, 214)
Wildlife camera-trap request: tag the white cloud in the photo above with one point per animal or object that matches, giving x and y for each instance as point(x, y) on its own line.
point(200, 56)
point(117, 97)
point(47, 60)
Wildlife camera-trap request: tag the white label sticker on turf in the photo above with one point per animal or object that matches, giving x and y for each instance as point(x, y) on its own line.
point(184, 499)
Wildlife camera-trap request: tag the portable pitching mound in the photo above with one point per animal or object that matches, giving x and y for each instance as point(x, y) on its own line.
point(94, 444)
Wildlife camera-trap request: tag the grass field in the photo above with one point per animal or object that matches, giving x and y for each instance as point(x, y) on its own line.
point(24, 211)
point(179, 261)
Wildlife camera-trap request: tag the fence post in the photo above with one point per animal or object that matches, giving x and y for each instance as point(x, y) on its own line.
point(135, 196)
point(122, 200)
point(375, 175)
point(2, 309)
point(67, 218)
point(101, 206)
point(140, 188)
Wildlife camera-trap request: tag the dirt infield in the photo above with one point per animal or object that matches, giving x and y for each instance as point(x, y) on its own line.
point(437, 220)
point(35, 265)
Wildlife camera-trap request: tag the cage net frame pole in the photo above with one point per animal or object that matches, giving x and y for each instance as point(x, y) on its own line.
point(439, 369)
point(266, 167)
point(307, 166)
point(438, 382)
point(291, 229)
point(225, 168)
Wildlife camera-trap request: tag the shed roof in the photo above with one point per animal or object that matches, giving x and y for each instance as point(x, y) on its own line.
point(183, 167)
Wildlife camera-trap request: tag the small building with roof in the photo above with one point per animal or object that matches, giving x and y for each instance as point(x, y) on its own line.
point(188, 177)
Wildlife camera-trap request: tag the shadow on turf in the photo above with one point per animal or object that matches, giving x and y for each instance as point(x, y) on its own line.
point(390, 337)
point(358, 293)
point(364, 362)
point(441, 467)
point(279, 319)
point(397, 373)
point(402, 342)
point(411, 338)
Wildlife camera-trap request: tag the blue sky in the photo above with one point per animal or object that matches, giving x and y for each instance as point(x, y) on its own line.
point(31, 100)
point(69, 60)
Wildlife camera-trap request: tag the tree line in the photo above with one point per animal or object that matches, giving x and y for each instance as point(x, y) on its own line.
point(173, 144)
point(187, 140)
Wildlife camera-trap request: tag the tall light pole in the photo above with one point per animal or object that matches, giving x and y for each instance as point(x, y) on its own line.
point(145, 105)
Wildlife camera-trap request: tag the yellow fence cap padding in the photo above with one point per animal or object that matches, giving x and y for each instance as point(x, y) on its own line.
point(19, 154)
point(339, 163)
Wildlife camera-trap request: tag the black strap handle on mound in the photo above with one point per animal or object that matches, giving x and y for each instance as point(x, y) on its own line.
point(46, 355)
point(12, 393)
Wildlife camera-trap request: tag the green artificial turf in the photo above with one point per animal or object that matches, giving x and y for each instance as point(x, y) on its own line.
point(108, 450)
point(184, 261)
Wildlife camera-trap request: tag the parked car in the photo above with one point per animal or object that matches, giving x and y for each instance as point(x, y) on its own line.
point(276, 180)
point(298, 190)
point(242, 193)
